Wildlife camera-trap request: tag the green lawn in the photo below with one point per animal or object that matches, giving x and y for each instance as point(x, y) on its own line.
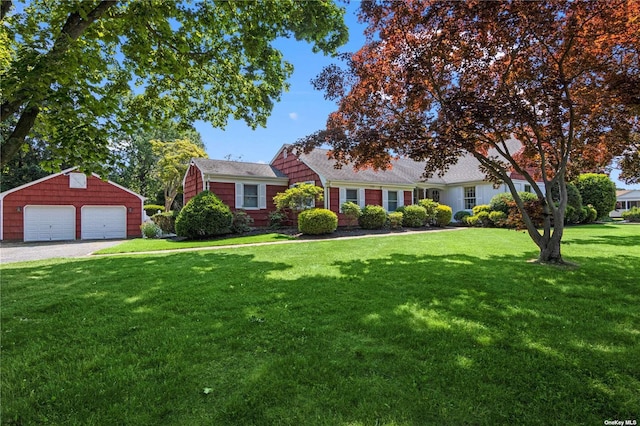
point(434, 328)
point(145, 244)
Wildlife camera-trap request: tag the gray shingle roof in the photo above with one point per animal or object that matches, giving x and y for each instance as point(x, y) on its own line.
point(237, 168)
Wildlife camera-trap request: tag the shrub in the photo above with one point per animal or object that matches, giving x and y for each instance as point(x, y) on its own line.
point(277, 219)
point(501, 202)
point(443, 215)
point(430, 206)
point(317, 221)
point(241, 222)
point(400, 209)
point(204, 216)
point(414, 216)
point(534, 210)
point(481, 208)
point(590, 214)
point(498, 218)
point(395, 219)
point(483, 218)
point(574, 200)
point(151, 209)
point(461, 215)
point(299, 197)
point(150, 230)
point(352, 211)
point(599, 191)
point(372, 217)
point(632, 215)
point(471, 220)
point(166, 221)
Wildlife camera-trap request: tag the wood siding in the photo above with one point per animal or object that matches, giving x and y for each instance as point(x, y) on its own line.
point(56, 191)
point(193, 184)
point(296, 170)
point(226, 191)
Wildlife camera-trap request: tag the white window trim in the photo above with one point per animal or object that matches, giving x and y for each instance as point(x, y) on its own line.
point(262, 196)
point(385, 198)
point(343, 196)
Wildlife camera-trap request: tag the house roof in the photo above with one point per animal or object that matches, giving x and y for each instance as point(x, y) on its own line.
point(628, 194)
point(403, 170)
point(66, 172)
point(237, 168)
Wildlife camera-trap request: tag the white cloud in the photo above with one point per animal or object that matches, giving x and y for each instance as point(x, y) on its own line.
point(293, 115)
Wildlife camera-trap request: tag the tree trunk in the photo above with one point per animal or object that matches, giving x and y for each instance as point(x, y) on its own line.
point(550, 251)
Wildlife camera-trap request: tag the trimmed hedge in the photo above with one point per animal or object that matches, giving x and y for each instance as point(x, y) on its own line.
point(151, 209)
point(372, 217)
point(395, 219)
point(317, 221)
point(461, 215)
point(443, 215)
point(166, 221)
point(414, 216)
point(205, 215)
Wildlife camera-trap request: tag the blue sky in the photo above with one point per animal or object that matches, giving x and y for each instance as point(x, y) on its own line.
point(301, 111)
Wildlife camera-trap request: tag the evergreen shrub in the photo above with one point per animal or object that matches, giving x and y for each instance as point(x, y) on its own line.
point(317, 221)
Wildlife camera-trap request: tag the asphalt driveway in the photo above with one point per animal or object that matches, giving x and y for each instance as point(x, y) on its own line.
point(21, 252)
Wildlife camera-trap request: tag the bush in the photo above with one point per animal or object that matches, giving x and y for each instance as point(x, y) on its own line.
point(471, 220)
point(166, 221)
point(443, 215)
point(317, 221)
point(461, 215)
point(372, 217)
point(204, 216)
point(483, 218)
point(241, 222)
point(430, 206)
point(151, 209)
point(150, 230)
point(632, 215)
point(501, 202)
point(590, 214)
point(414, 216)
point(481, 208)
point(498, 218)
point(352, 211)
point(534, 210)
point(277, 219)
point(599, 191)
point(395, 219)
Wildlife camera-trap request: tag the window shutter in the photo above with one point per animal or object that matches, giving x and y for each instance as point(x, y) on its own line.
point(385, 199)
point(343, 196)
point(239, 195)
point(400, 198)
point(361, 199)
point(262, 196)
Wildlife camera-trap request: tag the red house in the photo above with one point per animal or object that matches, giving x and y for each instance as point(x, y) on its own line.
point(242, 186)
point(69, 206)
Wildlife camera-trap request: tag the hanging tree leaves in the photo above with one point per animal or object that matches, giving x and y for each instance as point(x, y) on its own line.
point(82, 70)
point(436, 80)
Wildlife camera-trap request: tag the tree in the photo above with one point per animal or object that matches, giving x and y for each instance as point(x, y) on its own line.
point(136, 162)
point(84, 71)
point(173, 162)
point(299, 197)
point(436, 80)
point(599, 191)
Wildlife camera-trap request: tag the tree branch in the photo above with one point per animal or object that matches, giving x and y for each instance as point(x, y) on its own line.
point(13, 143)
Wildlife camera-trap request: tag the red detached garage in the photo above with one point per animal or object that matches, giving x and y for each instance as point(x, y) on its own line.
point(69, 206)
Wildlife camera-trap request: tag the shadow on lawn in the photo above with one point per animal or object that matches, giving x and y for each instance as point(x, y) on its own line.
point(402, 339)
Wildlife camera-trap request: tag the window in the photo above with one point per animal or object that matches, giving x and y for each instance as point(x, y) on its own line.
point(392, 201)
point(250, 196)
point(78, 180)
point(527, 188)
point(352, 195)
point(435, 195)
point(469, 197)
point(631, 204)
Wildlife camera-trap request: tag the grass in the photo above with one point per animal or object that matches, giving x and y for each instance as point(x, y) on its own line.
point(447, 328)
point(145, 244)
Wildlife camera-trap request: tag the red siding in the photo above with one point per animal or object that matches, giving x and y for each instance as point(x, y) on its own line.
point(227, 193)
point(193, 184)
point(408, 198)
point(295, 169)
point(373, 197)
point(56, 191)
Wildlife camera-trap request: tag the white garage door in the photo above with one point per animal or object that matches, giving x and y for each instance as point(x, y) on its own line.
point(103, 222)
point(49, 223)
